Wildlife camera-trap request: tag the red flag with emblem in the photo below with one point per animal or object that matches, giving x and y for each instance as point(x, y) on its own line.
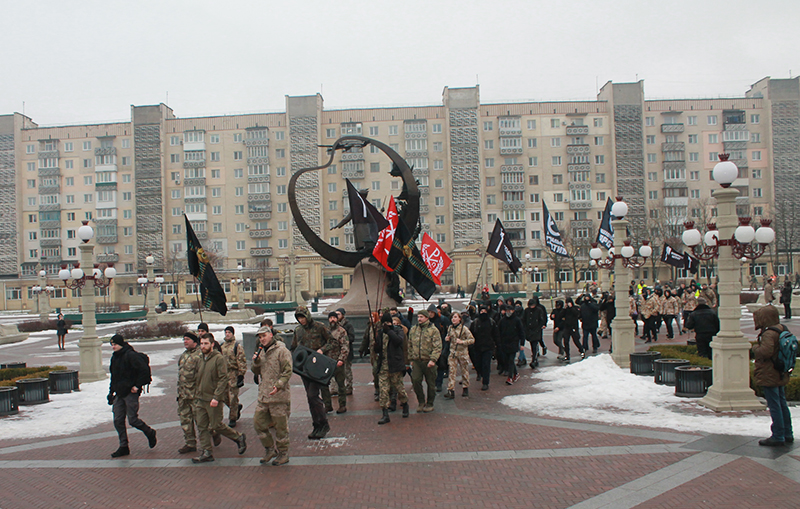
point(434, 257)
point(386, 236)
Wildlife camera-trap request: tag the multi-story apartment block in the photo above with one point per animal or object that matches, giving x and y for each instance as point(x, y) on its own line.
point(474, 163)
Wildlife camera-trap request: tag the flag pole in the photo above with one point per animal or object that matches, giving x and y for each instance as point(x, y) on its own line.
point(199, 304)
point(480, 270)
point(366, 293)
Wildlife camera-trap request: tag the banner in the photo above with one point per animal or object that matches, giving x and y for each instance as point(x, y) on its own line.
point(691, 263)
point(500, 247)
point(405, 259)
point(211, 293)
point(605, 236)
point(362, 211)
point(673, 257)
point(386, 236)
point(552, 237)
point(434, 257)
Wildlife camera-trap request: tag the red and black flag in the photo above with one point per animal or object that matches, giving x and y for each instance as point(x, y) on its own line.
point(405, 259)
point(211, 293)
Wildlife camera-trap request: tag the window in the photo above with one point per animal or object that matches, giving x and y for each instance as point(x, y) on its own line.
point(283, 226)
point(280, 153)
point(757, 192)
point(694, 193)
point(601, 196)
point(438, 146)
point(488, 144)
point(490, 182)
point(558, 178)
point(88, 198)
point(598, 140)
point(240, 245)
point(216, 227)
point(531, 124)
point(532, 143)
point(755, 118)
point(652, 158)
point(758, 211)
point(652, 195)
point(713, 156)
point(127, 231)
point(599, 159)
point(694, 157)
point(652, 176)
point(282, 207)
point(491, 199)
point(87, 163)
point(439, 219)
point(489, 162)
point(598, 122)
point(756, 155)
point(692, 139)
point(756, 173)
point(556, 161)
point(533, 161)
point(238, 173)
point(650, 121)
point(238, 209)
point(694, 175)
point(436, 128)
point(330, 133)
point(712, 120)
point(441, 238)
point(713, 138)
point(216, 210)
point(555, 142)
point(439, 201)
point(650, 139)
point(555, 123)
point(392, 130)
point(87, 145)
point(755, 137)
point(558, 197)
point(488, 126)
point(333, 205)
point(437, 183)
point(283, 243)
point(600, 178)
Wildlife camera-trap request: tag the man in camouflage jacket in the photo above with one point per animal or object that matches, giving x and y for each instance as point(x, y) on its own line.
point(424, 349)
point(272, 362)
point(237, 367)
point(187, 380)
point(339, 351)
point(315, 336)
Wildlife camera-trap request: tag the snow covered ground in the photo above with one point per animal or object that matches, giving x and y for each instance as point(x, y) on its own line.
point(596, 389)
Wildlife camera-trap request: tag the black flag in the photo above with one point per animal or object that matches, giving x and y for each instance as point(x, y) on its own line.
point(673, 257)
point(552, 237)
point(362, 211)
point(500, 247)
point(691, 263)
point(211, 293)
point(405, 259)
point(605, 236)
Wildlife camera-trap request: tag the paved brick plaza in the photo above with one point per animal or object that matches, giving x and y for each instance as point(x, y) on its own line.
point(468, 453)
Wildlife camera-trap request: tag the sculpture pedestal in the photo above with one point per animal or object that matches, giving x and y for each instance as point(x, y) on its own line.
point(355, 301)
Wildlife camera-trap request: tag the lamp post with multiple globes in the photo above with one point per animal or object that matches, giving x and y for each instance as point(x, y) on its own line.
point(151, 283)
point(91, 367)
point(43, 291)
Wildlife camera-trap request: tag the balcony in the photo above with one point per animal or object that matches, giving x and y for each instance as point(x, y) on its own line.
point(107, 258)
point(677, 146)
point(519, 243)
point(734, 145)
point(510, 131)
point(424, 209)
point(578, 150)
point(580, 204)
point(50, 172)
point(514, 224)
point(509, 151)
point(261, 234)
point(577, 130)
point(740, 163)
point(261, 251)
point(105, 151)
point(423, 190)
point(259, 142)
point(258, 160)
point(192, 146)
point(353, 174)
point(581, 223)
point(258, 179)
point(735, 127)
point(106, 186)
point(49, 207)
point(199, 181)
point(50, 243)
point(680, 201)
point(512, 187)
point(420, 172)
point(48, 154)
point(106, 239)
point(265, 197)
point(105, 167)
point(514, 205)
point(259, 215)
point(353, 156)
point(579, 167)
point(416, 154)
point(194, 199)
point(50, 225)
point(260, 207)
point(194, 164)
point(511, 168)
point(50, 189)
point(671, 128)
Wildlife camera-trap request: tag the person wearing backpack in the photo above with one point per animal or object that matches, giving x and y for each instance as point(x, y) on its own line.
point(130, 371)
point(771, 375)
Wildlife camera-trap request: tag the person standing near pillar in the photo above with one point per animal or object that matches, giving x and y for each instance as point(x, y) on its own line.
point(769, 291)
point(786, 299)
point(272, 362)
point(650, 313)
point(61, 331)
point(237, 367)
point(188, 365)
point(315, 336)
point(705, 323)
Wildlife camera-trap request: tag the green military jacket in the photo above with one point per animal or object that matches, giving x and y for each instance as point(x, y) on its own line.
point(188, 363)
point(234, 357)
point(274, 367)
point(424, 343)
point(212, 378)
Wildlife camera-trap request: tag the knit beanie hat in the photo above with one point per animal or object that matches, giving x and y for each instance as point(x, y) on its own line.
point(333, 314)
point(386, 317)
point(230, 328)
point(117, 340)
point(202, 326)
point(191, 335)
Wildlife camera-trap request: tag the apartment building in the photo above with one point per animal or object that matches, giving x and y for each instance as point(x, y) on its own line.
point(474, 162)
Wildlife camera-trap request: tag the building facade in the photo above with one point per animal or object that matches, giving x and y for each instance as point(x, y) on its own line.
point(474, 163)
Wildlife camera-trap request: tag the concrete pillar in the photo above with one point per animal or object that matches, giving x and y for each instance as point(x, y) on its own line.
point(152, 293)
point(731, 359)
point(89, 345)
point(43, 298)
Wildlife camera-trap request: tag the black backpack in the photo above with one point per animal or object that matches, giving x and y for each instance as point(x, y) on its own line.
point(141, 364)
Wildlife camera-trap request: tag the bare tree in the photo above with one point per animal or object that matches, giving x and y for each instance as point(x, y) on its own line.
point(786, 223)
point(665, 226)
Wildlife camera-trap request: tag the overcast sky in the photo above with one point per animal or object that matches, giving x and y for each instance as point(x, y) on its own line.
point(88, 61)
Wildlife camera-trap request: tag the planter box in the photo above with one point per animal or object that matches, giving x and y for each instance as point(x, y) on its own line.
point(665, 370)
point(33, 391)
point(13, 365)
point(9, 400)
point(642, 363)
point(62, 382)
point(692, 381)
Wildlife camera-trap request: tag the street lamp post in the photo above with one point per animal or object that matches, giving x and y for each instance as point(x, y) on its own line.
point(731, 365)
point(237, 283)
point(43, 292)
point(91, 368)
point(622, 337)
point(151, 284)
point(529, 276)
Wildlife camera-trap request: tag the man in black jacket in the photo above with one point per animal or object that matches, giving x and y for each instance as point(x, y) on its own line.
point(486, 335)
point(391, 359)
point(127, 370)
point(572, 314)
point(705, 323)
point(535, 320)
point(512, 337)
point(590, 314)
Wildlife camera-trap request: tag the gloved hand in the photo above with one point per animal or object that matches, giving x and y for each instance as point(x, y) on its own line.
point(240, 381)
point(110, 398)
point(255, 379)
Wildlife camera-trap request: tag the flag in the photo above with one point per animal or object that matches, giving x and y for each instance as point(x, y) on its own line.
point(552, 237)
point(362, 211)
point(691, 263)
point(211, 293)
point(405, 259)
point(434, 257)
point(500, 247)
point(605, 236)
point(673, 257)
point(386, 236)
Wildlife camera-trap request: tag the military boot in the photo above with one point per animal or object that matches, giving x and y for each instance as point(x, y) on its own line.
point(465, 393)
point(282, 459)
point(204, 457)
point(269, 454)
point(122, 451)
point(393, 405)
point(449, 394)
point(217, 439)
point(385, 417)
point(405, 409)
point(242, 443)
point(187, 449)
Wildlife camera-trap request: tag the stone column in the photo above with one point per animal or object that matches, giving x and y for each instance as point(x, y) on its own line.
point(731, 360)
point(622, 338)
point(89, 345)
point(152, 293)
point(43, 298)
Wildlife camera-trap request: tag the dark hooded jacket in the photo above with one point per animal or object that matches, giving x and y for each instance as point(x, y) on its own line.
point(393, 338)
point(765, 351)
point(313, 334)
point(703, 321)
point(609, 306)
point(534, 318)
point(512, 333)
point(571, 316)
point(590, 313)
point(125, 368)
point(485, 332)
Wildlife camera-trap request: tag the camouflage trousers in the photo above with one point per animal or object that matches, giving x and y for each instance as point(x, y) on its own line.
point(454, 361)
point(338, 378)
point(333, 386)
point(186, 416)
point(233, 397)
point(273, 416)
point(388, 381)
point(209, 421)
point(603, 329)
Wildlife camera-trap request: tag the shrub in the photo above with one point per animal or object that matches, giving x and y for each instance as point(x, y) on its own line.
point(38, 325)
point(144, 331)
point(748, 298)
point(9, 377)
